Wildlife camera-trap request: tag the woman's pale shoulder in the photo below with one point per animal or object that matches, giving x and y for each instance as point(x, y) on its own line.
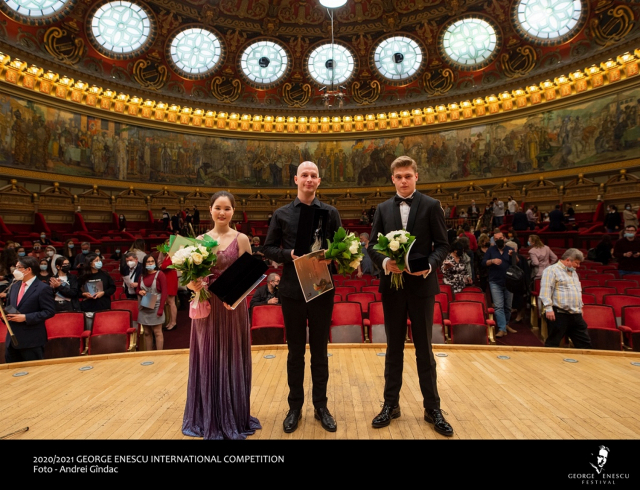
point(243, 238)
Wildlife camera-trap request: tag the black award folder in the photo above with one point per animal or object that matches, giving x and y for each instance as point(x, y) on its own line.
point(415, 261)
point(312, 229)
point(239, 279)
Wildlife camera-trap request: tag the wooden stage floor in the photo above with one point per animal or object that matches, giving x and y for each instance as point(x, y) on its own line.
point(534, 394)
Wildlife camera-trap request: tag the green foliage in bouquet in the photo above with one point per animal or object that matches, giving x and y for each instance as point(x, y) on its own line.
point(345, 250)
point(395, 245)
point(195, 262)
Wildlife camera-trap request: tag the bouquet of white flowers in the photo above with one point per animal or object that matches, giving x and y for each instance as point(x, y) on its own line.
point(346, 250)
point(195, 262)
point(395, 245)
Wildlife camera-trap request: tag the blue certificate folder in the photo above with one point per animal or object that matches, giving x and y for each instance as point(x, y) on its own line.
point(239, 279)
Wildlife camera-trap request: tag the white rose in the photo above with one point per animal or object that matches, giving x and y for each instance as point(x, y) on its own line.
point(354, 264)
point(402, 238)
point(203, 250)
point(197, 258)
point(394, 245)
point(177, 260)
point(391, 235)
point(354, 247)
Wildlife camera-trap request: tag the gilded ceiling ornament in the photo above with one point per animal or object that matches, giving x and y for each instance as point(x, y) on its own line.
point(364, 90)
point(427, 31)
point(301, 12)
point(362, 43)
point(209, 14)
point(360, 10)
point(391, 22)
point(168, 21)
point(612, 25)
point(519, 61)
point(270, 26)
point(235, 39)
point(498, 10)
point(296, 94)
point(455, 7)
point(438, 82)
point(252, 9)
point(226, 88)
point(150, 72)
point(63, 44)
point(298, 46)
point(406, 6)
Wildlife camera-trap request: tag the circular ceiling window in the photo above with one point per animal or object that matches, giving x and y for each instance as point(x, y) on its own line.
point(330, 64)
point(552, 21)
point(398, 58)
point(121, 28)
point(264, 63)
point(195, 51)
point(471, 42)
point(37, 11)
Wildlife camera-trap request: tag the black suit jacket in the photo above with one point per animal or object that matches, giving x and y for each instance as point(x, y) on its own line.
point(37, 305)
point(426, 223)
point(124, 271)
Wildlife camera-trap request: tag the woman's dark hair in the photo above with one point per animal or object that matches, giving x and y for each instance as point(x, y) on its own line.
point(86, 269)
point(144, 263)
point(139, 244)
point(226, 194)
point(8, 259)
point(458, 247)
point(614, 207)
point(606, 239)
point(60, 261)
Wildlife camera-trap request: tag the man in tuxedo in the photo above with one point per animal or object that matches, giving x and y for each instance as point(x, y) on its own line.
point(422, 217)
point(297, 313)
point(33, 301)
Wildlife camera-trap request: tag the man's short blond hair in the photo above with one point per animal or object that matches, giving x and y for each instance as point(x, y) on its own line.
point(403, 162)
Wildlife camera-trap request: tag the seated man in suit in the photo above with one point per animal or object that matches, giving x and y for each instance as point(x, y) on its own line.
point(267, 294)
point(33, 302)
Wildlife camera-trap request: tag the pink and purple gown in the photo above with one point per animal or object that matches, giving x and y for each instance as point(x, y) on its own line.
point(219, 389)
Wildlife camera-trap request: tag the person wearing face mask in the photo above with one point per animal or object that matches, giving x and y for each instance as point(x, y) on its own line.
point(79, 261)
point(498, 260)
point(44, 241)
point(541, 255)
point(122, 223)
point(612, 219)
point(454, 269)
point(52, 256)
point(152, 282)
point(561, 296)
point(65, 287)
point(266, 294)
point(117, 254)
point(630, 216)
point(627, 251)
point(171, 276)
point(44, 272)
point(131, 271)
point(33, 303)
point(67, 250)
point(37, 252)
point(97, 286)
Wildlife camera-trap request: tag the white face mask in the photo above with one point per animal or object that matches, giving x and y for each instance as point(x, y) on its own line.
point(50, 253)
point(18, 274)
point(131, 264)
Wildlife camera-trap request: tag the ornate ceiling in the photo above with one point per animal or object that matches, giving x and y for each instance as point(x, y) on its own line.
point(257, 55)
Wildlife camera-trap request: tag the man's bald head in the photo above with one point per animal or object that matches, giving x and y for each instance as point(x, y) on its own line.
point(306, 166)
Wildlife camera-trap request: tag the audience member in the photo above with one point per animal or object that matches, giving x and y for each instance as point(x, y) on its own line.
point(166, 219)
point(116, 255)
point(366, 265)
point(37, 252)
point(97, 286)
point(520, 300)
point(152, 292)
point(486, 219)
point(79, 260)
point(498, 212)
point(131, 272)
point(139, 247)
point(627, 251)
point(67, 249)
point(532, 218)
point(498, 260)
point(466, 231)
point(65, 287)
point(176, 222)
point(21, 252)
point(473, 211)
point(630, 216)
point(482, 272)
point(512, 236)
point(256, 248)
point(33, 301)
point(8, 260)
point(520, 220)
point(44, 272)
point(561, 296)
point(556, 219)
point(541, 256)
point(455, 271)
point(122, 223)
point(612, 220)
point(171, 277)
point(512, 205)
point(603, 250)
point(51, 256)
point(44, 241)
point(267, 294)
point(196, 217)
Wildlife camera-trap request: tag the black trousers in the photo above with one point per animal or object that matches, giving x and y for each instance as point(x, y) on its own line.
point(571, 325)
point(317, 314)
point(11, 354)
point(397, 305)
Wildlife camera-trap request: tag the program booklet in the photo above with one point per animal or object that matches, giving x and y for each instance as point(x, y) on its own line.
point(94, 286)
point(314, 276)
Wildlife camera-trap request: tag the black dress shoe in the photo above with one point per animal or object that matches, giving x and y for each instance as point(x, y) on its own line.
point(326, 419)
point(434, 416)
point(290, 423)
point(387, 413)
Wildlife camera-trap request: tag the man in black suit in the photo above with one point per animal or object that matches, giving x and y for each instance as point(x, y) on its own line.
point(423, 218)
point(34, 303)
point(297, 313)
point(266, 294)
point(556, 219)
point(131, 269)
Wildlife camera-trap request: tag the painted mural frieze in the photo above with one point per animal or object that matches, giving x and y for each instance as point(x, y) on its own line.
point(64, 44)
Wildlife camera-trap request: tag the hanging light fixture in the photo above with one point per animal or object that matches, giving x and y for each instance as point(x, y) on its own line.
point(332, 93)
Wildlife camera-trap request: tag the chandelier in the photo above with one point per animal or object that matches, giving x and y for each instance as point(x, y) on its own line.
point(332, 93)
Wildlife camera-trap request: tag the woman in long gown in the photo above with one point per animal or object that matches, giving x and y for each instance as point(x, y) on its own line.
point(219, 389)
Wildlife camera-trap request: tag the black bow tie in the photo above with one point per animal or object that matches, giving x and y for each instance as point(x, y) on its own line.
point(399, 199)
